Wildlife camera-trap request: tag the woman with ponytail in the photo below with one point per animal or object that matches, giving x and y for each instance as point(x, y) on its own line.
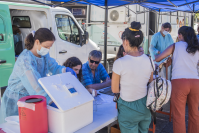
point(185, 79)
point(33, 63)
point(132, 72)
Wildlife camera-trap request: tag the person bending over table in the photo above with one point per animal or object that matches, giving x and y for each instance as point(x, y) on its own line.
point(93, 72)
point(33, 63)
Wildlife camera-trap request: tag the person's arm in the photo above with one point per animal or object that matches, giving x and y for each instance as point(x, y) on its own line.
point(152, 49)
point(90, 90)
point(87, 81)
point(30, 82)
point(115, 83)
point(117, 70)
point(29, 76)
point(151, 78)
point(164, 54)
point(53, 66)
point(99, 85)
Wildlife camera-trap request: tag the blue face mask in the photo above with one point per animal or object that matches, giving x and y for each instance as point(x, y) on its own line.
point(43, 51)
point(165, 32)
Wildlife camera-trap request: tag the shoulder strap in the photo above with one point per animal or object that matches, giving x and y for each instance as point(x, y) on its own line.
point(151, 62)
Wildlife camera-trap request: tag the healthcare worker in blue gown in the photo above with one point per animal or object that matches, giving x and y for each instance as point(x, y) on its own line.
point(33, 63)
point(159, 42)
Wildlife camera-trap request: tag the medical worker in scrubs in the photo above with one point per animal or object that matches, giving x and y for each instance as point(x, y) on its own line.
point(159, 42)
point(33, 63)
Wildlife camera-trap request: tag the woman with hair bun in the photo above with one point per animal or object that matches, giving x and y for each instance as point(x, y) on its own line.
point(159, 42)
point(33, 63)
point(185, 79)
point(132, 72)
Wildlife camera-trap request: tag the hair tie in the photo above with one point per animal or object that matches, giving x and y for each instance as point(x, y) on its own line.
point(33, 33)
point(137, 36)
point(133, 29)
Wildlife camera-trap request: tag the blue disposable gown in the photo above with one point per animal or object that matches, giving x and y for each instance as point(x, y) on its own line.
point(24, 80)
point(160, 43)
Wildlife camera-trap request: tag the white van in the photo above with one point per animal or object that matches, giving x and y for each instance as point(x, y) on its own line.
point(71, 40)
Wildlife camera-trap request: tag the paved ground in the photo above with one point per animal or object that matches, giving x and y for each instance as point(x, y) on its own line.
point(163, 125)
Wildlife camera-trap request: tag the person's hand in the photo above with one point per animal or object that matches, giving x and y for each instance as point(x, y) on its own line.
point(91, 90)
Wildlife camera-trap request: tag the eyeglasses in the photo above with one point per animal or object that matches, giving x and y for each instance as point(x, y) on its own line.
point(92, 61)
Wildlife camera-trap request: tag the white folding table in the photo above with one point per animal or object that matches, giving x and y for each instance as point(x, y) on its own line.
point(105, 115)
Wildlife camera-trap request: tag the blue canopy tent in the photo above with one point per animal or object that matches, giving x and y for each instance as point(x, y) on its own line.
point(191, 6)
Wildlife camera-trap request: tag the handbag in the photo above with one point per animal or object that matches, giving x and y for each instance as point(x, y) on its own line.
point(158, 94)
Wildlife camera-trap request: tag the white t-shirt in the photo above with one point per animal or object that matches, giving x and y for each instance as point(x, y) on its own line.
point(184, 65)
point(134, 74)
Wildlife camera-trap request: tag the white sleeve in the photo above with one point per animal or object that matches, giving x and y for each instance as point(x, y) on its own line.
point(117, 67)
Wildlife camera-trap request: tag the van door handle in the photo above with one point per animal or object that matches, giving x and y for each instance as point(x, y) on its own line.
point(2, 61)
point(62, 52)
point(1, 38)
point(114, 48)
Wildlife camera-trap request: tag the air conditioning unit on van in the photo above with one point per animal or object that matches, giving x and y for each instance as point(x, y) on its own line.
point(117, 14)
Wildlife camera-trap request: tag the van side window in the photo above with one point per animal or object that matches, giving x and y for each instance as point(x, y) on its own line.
point(67, 29)
point(21, 21)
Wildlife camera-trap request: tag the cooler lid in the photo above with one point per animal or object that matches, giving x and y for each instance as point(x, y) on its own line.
point(65, 90)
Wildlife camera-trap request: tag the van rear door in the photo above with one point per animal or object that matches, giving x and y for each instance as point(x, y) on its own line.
point(7, 55)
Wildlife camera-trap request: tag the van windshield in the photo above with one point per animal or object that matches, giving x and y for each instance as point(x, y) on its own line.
point(67, 29)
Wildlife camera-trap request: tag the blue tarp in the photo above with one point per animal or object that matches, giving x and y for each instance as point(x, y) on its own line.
point(157, 5)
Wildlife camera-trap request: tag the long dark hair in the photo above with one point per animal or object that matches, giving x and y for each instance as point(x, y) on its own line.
point(42, 34)
point(120, 52)
point(190, 37)
point(134, 36)
point(72, 62)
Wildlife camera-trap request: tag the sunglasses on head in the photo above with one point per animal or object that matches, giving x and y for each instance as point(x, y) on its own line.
point(92, 61)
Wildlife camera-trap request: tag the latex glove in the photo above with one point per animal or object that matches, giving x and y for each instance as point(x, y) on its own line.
point(68, 69)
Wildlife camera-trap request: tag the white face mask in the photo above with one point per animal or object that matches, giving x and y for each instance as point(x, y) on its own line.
point(43, 51)
point(165, 32)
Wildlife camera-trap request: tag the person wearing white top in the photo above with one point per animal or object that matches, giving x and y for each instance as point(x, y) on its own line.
point(185, 80)
point(132, 72)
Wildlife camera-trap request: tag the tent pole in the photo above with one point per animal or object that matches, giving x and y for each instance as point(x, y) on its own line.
point(158, 20)
point(192, 17)
point(105, 34)
point(89, 15)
